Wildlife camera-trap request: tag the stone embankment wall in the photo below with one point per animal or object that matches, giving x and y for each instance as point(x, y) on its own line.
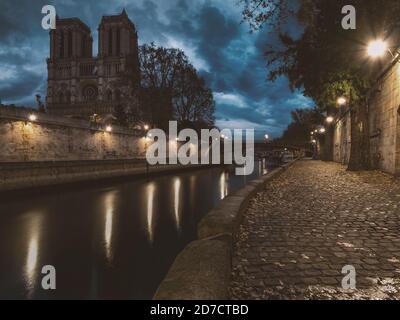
point(384, 124)
point(51, 138)
point(202, 271)
point(342, 140)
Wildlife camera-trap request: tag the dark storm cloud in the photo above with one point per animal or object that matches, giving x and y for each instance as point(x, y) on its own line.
point(230, 59)
point(22, 84)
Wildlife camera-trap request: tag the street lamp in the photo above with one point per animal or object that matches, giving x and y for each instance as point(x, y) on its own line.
point(146, 127)
point(377, 48)
point(341, 101)
point(108, 128)
point(32, 117)
point(322, 130)
point(266, 137)
point(329, 119)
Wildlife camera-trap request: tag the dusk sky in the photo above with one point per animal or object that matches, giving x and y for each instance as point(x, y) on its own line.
point(209, 31)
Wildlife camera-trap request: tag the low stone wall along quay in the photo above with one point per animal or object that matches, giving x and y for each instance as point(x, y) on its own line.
point(202, 271)
point(15, 176)
point(52, 138)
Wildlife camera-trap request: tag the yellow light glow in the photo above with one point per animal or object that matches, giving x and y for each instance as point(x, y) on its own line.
point(108, 128)
point(150, 199)
point(341, 101)
point(146, 127)
point(377, 48)
point(330, 119)
point(32, 117)
point(108, 223)
point(314, 141)
point(177, 188)
point(223, 183)
point(322, 130)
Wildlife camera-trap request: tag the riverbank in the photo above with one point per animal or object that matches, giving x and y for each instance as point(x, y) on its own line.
point(202, 271)
point(24, 175)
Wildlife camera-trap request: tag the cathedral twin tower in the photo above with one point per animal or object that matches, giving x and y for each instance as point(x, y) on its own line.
point(81, 85)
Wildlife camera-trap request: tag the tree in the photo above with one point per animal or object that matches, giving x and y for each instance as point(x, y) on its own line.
point(303, 122)
point(327, 61)
point(193, 101)
point(169, 80)
point(159, 66)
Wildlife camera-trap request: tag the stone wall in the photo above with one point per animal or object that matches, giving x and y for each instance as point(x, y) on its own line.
point(384, 118)
point(384, 125)
point(342, 140)
point(51, 138)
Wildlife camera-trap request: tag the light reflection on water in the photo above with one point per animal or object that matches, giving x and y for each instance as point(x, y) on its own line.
point(150, 213)
point(224, 185)
point(31, 268)
point(96, 236)
point(177, 194)
point(109, 199)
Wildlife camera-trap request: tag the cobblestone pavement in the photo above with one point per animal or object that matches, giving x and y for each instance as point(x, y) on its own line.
point(309, 223)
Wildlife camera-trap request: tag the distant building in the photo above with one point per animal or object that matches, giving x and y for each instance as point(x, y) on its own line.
point(81, 85)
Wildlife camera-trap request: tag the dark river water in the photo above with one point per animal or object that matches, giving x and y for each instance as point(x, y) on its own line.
point(110, 241)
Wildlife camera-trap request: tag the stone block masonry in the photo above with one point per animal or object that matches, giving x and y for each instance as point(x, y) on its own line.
point(51, 138)
point(384, 125)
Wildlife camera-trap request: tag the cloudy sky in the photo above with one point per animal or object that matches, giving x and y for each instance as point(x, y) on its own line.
point(209, 31)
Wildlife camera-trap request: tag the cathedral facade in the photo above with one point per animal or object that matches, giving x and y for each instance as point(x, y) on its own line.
point(79, 84)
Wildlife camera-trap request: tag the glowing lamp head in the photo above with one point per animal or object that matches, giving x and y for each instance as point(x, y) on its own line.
point(108, 128)
point(314, 141)
point(146, 127)
point(32, 117)
point(341, 101)
point(377, 48)
point(329, 119)
point(266, 137)
point(322, 130)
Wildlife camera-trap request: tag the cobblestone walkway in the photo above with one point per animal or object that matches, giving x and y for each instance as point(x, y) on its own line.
point(309, 223)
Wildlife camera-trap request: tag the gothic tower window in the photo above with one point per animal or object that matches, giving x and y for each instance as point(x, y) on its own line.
point(83, 46)
point(118, 41)
point(110, 44)
point(61, 47)
point(117, 95)
point(60, 97)
point(108, 95)
point(68, 97)
point(70, 43)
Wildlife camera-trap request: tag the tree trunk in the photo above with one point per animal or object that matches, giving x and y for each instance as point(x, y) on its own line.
point(360, 149)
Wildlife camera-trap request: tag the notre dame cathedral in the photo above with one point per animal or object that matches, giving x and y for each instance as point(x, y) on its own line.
point(79, 84)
